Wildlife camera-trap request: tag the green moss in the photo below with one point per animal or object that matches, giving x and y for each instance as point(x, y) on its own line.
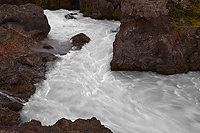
point(188, 17)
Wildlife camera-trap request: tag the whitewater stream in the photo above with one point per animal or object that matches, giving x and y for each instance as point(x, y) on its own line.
point(81, 85)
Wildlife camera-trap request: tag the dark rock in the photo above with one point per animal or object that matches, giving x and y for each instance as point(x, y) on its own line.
point(47, 4)
point(70, 16)
point(8, 118)
point(148, 40)
point(26, 20)
point(64, 126)
point(10, 102)
point(101, 9)
point(79, 40)
point(47, 46)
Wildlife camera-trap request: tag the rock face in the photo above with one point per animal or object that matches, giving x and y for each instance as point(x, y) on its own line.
point(150, 38)
point(101, 9)
point(47, 4)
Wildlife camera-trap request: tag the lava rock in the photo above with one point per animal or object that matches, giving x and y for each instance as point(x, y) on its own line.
point(79, 40)
point(25, 20)
point(101, 9)
point(70, 16)
point(148, 40)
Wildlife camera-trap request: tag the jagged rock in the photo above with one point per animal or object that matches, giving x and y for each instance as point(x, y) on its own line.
point(79, 40)
point(149, 41)
point(101, 9)
point(62, 126)
point(8, 118)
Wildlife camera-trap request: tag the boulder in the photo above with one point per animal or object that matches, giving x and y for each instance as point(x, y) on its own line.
point(101, 9)
point(157, 36)
point(8, 118)
point(26, 21)
point(79, 40)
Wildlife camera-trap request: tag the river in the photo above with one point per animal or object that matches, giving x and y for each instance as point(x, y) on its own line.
point(81, 85)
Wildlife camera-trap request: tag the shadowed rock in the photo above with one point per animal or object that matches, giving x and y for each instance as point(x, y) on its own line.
point(149, 41)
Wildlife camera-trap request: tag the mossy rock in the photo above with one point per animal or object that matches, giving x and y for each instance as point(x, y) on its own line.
point(186, 17)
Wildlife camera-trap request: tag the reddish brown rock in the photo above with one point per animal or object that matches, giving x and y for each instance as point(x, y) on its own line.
point(62, 126)
point(101, 9)
point(149, 41)
point(79, 41)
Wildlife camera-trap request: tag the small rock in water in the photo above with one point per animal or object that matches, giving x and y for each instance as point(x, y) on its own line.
point(79, 40)
point(114, 30)
point(47, 46)
point(70, 16)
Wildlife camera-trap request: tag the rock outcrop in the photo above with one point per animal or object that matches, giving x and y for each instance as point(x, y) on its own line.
point(157, 36)
point(21, 28)
point(47, 4)
point(101, 9)
point(62, 126)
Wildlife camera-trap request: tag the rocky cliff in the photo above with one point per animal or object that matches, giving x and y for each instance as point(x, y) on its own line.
point(161, 36)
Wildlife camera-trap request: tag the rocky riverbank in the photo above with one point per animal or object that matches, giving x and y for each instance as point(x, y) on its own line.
point(22, 28)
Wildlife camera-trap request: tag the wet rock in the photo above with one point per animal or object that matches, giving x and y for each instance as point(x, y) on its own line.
point(79, 40)
point(8, 118)
point(27, 21)
point(10, 102)
point(70, 16)
point(64, 126)
point(149, 41)
point(101, 9)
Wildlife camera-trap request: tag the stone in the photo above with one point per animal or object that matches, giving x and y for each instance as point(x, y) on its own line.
point(27, 21)
point(149, 41)
point(79, 40)
point(101, 9)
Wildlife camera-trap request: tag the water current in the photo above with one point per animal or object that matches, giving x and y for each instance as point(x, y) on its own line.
point(81, 85)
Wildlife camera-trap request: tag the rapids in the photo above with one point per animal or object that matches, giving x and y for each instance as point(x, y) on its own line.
point(81, 85)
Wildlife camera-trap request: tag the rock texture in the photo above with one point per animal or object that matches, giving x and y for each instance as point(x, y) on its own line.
point(62, 126)
point(101, 9)
point(47, 4)
point(150, 40)
point(21, 28)
point(79, 41)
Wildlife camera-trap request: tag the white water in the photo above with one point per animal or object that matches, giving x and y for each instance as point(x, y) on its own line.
point(81, 85)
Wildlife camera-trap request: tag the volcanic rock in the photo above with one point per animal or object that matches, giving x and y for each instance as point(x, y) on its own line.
point(79, 40)
point(101, 9)
point(153, 37)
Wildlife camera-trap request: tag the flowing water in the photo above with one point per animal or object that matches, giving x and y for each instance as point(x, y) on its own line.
point(81, 85)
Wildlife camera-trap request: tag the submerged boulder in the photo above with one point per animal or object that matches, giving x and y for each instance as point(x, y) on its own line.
point(157, 36)
point(79, 41)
